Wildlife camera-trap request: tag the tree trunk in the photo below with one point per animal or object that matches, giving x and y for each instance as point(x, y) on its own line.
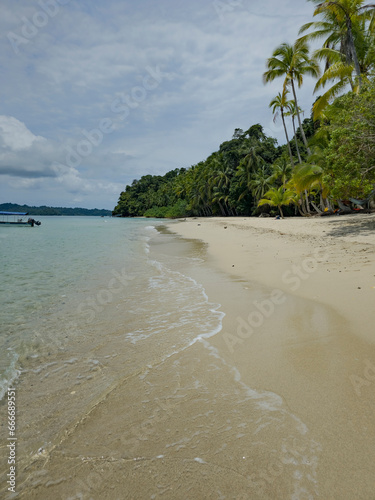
point(281, 212)
point(229, 213)
point(324, 203)
point(307, 202)
point(300, 211)
point(287, 138)
point(317, 208)
point(353, 49)
point(234, 211)
point(299, 118)
point(301, 204)
point(328, 204)
point(344, 208)
point(295, 139)
point(221, 209)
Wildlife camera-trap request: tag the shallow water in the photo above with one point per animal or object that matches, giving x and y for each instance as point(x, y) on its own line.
point(80, 278)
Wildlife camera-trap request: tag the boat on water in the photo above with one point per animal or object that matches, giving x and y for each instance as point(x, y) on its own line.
point(17, 219)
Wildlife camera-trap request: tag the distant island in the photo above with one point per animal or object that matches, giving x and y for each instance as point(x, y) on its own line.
point(44, 210)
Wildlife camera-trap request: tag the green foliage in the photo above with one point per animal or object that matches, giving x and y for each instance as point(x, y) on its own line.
point(347, 27)
point(277, 197)
point(226, 183)
point(44, 210)
point(350, 169)
point(157, 212)
point(148, 192)
point(179, 209)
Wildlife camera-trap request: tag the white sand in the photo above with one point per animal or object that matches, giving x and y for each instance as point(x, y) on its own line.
point(328, 259)
point(317, 350)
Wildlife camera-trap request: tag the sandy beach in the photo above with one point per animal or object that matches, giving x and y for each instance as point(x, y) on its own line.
point(321, 273)
point(330, 260)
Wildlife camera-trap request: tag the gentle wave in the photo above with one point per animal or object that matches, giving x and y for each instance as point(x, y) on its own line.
point(10, 375)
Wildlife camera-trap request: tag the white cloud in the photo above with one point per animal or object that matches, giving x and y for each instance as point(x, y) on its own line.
point(15, 135)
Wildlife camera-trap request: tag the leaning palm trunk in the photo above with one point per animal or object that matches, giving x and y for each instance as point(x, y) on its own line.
point(307, 202)
point(227, 208)
point(316, 208)
point(300, 210)
point(323, 206)
point(221, 209)
point(301, 206)
point(328, 204)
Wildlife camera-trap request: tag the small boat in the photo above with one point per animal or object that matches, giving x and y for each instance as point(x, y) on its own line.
point(17, 219)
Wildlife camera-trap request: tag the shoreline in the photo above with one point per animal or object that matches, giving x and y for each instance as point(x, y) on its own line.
point(299, 297)
point(329, 260)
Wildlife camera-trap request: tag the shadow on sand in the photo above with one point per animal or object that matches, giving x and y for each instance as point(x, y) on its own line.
point(356, 224)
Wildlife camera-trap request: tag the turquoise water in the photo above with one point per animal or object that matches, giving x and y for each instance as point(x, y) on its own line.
point(73, 278)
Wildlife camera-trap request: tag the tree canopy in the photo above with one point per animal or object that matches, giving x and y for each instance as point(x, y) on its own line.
point(328, 161)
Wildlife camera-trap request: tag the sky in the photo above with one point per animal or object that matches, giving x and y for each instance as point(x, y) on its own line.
point(95, 94)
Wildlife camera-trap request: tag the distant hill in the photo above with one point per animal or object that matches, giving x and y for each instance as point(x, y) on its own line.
point(43, 210)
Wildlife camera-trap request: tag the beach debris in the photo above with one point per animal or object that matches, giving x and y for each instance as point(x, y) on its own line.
point(225, 227)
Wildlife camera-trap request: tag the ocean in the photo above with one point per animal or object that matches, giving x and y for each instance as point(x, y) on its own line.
point(105, 334)
point(80, 279)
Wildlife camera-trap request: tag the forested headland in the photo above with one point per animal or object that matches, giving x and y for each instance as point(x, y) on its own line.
point(328, 160)
point(44, 210)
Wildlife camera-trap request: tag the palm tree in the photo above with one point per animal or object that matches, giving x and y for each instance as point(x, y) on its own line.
point(348, 29)
point(280, 102)
point(346, 12)
point(305, 178)
point(198, 190)
point(277, 197)
point(247, 167)
point(293, 63)
point(220, 179)
point(260, 183)
point(221, 195)
point(282, 170)
point(292, 111)
point(338, 72)
point(221, 182)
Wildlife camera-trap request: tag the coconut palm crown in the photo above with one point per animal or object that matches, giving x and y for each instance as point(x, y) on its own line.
point(292, 62)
